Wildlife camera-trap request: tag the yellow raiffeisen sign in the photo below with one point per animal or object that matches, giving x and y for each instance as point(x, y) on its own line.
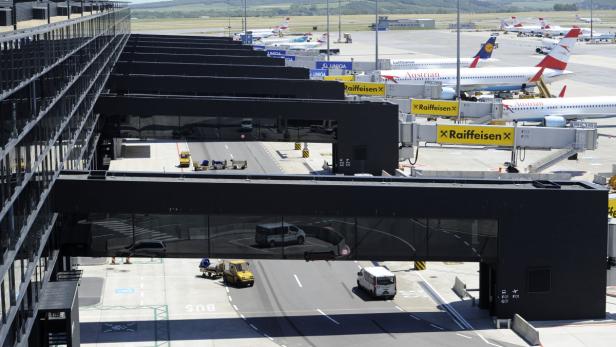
point(364, 88)
point(475, 135)
point(611, 207)
point(434, 107)
point(339, 78)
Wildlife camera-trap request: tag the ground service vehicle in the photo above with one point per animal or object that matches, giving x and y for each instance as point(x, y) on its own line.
point(377, 281)
point(211, 269)
point(273, 234)
point(220, 165)
point(237, 273)
point(184, 159)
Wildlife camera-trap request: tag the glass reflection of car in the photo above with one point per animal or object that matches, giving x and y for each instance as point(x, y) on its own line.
point(246, 124)
point(273, 234)
point(145, 248)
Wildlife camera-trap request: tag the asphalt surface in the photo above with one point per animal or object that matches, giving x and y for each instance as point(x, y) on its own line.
point(318, 304)
point(259, 160)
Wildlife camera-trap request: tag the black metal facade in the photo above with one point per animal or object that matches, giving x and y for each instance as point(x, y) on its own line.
point(541, 255)
point(50, 79)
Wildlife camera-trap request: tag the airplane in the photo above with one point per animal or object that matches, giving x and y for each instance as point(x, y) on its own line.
point(551, 68)
point(556, 30)
point(587, 19)
point(484, 55)
point(517, 27)
point(302, 46)
point(263, 33)
point(557, 111)
point(283, 40)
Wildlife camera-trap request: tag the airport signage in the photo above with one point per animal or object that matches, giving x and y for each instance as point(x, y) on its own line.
point(341, 78)
point(258, 47)
point(276, 53)
point(340, 65)
point(364, 88)
point(434, 107)
point(289, 57)
point(483, 135)
point(611, 207)
point(246, 38)
point(318, 72)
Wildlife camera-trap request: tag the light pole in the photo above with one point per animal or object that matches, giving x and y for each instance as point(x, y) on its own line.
point(591, 26)
point(245, 20)
point(339, 22)
point(458, 61)
point(327, 12)
point(376, 34)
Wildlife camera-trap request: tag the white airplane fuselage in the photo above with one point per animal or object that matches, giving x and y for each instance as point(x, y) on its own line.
point(486, 79)
point(568, 108)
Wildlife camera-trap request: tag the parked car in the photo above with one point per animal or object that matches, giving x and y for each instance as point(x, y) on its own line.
point(145, 248)
point(273, 234)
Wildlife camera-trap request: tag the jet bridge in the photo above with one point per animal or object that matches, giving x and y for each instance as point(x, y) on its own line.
point(581, 136)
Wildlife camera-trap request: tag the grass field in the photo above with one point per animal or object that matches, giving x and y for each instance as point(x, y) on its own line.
point(362, 22)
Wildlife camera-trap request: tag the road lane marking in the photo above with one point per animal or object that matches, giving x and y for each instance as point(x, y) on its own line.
point(226, 147)
point(227, 288)
point(399, 309)
point(467, 244)
point(253, 326)
point(297, 280)
point(328, 317)
point(269, 337)
point(456, 236)
point(415, 317)
point(468, 337)
point(455, 315)
point(436, 326)
point(230, 298)
point(243, 317)
point(235, 307)
point(486, 341)
point(231, 155)
point(359, 267)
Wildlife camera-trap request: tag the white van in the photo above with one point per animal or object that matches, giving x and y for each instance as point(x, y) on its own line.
point(378, 281)
point(273, 234)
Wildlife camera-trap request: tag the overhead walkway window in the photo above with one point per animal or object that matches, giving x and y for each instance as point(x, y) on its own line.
point(292, 237)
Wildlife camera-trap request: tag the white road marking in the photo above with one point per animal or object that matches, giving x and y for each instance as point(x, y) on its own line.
point(399, 309)
point(297, 280)
point(436, 326)
point(466, 243)
point(415, 317)
point(235, 307)
point(468, 337)
point(269, 337)
point(226, 147)
point(359, 267)
point(328, 317)
point(243, 317)
point(227, 288)
point(456, 236)
point(231, 155)
point(457, 317)
point(596, 164)
point(254, 327)
point(230, 298)
point(486, 341)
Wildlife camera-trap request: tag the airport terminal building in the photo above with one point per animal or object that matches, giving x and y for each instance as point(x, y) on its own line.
point(71, 90)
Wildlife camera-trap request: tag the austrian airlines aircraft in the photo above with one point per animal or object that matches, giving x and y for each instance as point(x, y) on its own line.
point(559, 110)
point(261, 33)
point(484, 55)
point(551, 68)
point(517, 27)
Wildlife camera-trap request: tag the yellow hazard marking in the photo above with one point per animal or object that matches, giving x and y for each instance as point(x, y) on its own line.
point(343, 78)
point(434, 107)
point(474, 135)
point(611, 208)
point(364, 88)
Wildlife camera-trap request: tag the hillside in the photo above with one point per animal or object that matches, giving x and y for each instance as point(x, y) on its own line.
point(256, 8)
